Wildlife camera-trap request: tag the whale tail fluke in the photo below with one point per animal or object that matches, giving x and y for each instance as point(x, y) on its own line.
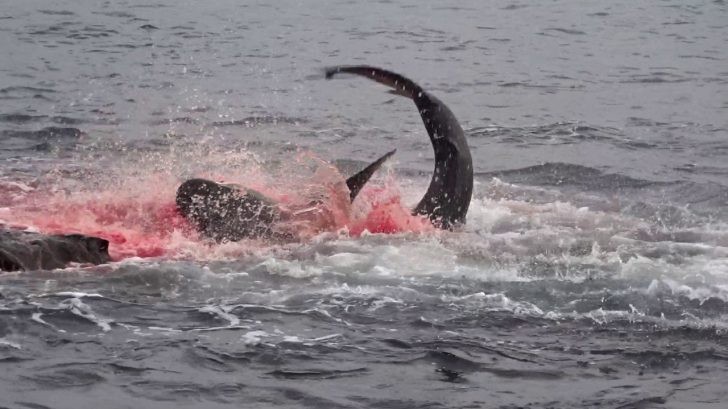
point(401, 85)
point(448, 196)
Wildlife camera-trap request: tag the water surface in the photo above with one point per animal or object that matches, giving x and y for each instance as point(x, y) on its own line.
point(593, 270)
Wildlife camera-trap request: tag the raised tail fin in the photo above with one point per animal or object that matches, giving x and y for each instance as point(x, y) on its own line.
point(402, 86)
point(448, 196)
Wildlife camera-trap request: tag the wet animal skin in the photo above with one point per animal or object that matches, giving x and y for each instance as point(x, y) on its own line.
point(451, 188)
point(21, 250)
point(227, 213)
point(224, 213)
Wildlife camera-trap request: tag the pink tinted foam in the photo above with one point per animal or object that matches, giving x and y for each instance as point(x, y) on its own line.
point(140, 218)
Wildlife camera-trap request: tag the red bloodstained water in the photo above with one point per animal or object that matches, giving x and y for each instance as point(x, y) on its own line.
point(386, 214)
point(141, 219)
point(133, 227)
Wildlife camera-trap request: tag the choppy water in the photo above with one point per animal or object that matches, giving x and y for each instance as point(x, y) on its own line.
point(593, 270)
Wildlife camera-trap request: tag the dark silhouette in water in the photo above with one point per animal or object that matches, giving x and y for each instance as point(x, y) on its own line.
point(224, 212)
point(357, 182)
point(21, 250)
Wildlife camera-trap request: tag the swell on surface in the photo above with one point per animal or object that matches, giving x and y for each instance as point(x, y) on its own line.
point(592, 272)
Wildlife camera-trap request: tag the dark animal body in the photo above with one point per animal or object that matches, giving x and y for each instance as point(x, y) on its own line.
point(21, 250)
point(451, 188)
point(228, 213)
point(225, 213)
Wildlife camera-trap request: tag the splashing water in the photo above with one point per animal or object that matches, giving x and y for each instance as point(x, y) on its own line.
point(135, 208)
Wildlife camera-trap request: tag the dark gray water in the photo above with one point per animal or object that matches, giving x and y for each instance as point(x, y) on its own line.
point(593, 270)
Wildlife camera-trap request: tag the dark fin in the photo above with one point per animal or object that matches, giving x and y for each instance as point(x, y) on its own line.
point(399, 92)
point(402, 86)
point(448, 196)
point(357, 182)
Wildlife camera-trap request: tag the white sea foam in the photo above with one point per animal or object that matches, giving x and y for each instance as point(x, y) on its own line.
point(222, 312)
point(252, 338)
point(37, 317)
point(77, 307)
point(6, 342)
point(75, 294)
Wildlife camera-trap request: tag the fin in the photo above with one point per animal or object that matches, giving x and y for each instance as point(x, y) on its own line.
point(448, 196)
point(402, 86)
point(399, 92)
point(357, 182)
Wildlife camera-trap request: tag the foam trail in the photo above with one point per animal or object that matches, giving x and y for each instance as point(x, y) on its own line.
point(77, 307)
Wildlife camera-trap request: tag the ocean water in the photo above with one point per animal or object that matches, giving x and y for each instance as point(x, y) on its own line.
point(592, 271)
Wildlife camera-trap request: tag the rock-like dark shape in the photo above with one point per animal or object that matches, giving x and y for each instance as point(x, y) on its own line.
point(21, 250)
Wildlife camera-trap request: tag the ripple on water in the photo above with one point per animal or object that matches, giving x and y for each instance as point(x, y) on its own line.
point(594, 254)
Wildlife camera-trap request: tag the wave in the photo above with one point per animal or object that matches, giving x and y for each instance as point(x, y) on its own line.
point(566, 174)
point(45, 139)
